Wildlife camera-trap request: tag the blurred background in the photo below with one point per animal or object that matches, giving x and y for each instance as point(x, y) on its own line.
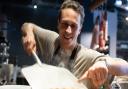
point(13, 13)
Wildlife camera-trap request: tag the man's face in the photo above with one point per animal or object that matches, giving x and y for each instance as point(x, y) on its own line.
point(69, 27)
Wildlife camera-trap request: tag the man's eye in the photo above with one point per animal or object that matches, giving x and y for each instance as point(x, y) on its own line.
point(64, 25)
point(73, 26)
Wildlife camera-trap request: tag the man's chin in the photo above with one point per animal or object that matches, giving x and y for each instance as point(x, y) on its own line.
point(68, 41)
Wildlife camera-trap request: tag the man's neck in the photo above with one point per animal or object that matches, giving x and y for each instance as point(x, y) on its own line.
point(67, 48)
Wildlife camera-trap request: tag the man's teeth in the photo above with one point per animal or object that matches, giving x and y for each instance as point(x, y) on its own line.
point(67, 37)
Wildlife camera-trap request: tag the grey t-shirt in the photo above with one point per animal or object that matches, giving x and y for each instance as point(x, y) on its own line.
point(48, 41)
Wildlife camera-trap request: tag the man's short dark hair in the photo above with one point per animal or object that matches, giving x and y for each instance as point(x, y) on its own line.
point(76, 6)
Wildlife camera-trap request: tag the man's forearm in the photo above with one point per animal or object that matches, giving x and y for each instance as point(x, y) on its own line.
point(118, 67)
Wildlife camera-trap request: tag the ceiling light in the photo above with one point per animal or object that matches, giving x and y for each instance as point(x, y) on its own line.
point(126, 7)
point(118, 2)
point(35, 6)
point(126, 18)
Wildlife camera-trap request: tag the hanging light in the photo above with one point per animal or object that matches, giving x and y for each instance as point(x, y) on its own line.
point(126, 18)
point(35, 6)
point(118, 2)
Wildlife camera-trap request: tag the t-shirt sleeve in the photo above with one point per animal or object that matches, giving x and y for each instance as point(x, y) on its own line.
point(45, 42)
point(85, 59)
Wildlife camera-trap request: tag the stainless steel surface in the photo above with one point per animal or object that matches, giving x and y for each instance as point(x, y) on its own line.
point(50, 77)
point(43, 76)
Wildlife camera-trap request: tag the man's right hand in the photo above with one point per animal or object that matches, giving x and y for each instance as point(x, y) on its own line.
point(28, 39)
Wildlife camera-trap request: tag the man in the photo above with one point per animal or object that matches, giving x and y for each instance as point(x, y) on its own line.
point(91, 67)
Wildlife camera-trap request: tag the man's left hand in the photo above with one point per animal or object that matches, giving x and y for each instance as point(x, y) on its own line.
point(98, 73)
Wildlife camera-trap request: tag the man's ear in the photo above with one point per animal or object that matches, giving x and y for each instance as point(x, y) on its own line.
point(80, 29)
point(58, 20)
point(58, 25)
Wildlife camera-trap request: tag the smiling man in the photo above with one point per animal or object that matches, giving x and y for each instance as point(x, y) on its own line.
point(91, 67)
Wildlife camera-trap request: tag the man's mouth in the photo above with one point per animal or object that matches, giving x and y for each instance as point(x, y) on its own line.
point(67, 37)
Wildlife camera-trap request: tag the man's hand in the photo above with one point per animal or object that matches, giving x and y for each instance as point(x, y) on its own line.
point(28, 38)
point(98, 73)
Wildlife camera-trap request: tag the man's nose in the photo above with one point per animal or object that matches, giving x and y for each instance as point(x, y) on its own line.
point(69, 29)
